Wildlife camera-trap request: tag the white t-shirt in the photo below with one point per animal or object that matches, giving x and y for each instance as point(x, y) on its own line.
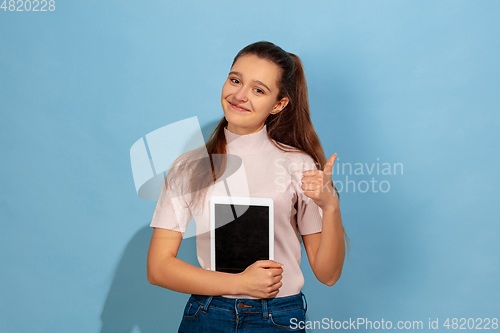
point(265, 171)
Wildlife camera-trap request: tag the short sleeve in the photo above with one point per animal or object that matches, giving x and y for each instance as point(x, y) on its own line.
point(309, 215)
point(172, 211)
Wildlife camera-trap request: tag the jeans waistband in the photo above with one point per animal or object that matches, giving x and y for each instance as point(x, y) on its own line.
point(246, 305)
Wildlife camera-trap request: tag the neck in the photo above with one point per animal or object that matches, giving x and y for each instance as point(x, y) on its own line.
point(244, 130)
point(246, 145)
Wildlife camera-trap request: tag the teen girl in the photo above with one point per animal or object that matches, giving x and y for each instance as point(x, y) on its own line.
point(267, 124)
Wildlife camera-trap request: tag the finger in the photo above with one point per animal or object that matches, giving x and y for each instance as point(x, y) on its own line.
point(271, 294)
point(310, 173)
point(276, 286)
point(329, 164)
point(273, 280)
point(273, 289)
point(307, 187)
point(268, 264)
point(273, 272)
point(312, 185)
point(311, 191)
point(276, 271)
point(311, 194)
point(317, 178)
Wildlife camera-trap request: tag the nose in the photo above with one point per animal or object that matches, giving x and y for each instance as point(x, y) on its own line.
point(241, 94)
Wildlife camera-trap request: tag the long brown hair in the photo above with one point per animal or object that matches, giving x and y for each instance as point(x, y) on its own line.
point(292, 126)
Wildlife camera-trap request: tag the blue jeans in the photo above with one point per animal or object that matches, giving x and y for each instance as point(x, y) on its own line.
point(220, 314)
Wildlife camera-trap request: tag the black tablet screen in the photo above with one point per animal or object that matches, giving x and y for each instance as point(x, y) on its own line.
point(241, 236)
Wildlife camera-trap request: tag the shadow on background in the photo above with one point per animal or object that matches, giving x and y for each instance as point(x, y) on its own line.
point(133, 304)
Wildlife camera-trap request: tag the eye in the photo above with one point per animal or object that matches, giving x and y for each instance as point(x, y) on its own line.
point(233, 80)
point(258, 91)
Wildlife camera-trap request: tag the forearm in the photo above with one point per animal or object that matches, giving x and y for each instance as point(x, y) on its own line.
point(329, 258)
point(175, 274)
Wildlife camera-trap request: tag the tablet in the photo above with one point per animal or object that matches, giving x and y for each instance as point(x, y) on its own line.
point(241, 232)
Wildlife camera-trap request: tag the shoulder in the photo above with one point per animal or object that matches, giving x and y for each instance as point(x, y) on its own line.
point(295, 159)
point(191, 155)
point(299, 156)
point(184, 164)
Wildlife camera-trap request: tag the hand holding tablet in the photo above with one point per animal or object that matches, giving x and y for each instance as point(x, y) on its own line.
point(262, 279)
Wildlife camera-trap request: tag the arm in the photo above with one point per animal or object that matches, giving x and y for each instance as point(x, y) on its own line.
point(326, 249)
point(164, 269)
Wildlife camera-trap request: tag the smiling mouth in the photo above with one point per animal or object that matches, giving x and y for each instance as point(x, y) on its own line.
point(238, 108)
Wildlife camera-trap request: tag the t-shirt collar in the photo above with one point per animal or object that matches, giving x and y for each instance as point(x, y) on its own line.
point(249, 144)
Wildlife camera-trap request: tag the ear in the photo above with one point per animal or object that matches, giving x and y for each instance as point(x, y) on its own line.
point(280, 105)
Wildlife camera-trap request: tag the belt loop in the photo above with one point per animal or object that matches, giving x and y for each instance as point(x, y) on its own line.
point(264, 309)
point(207, 303)
point(305, 301)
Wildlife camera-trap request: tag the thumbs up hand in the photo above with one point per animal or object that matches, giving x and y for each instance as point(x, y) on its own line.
point(317, 186)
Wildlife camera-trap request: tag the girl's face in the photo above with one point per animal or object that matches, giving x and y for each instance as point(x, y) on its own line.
point(250, 94)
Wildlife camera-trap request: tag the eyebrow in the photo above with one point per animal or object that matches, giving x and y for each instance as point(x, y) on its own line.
point(255, 81)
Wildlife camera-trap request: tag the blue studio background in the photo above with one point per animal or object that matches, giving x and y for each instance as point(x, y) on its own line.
point(406, 92)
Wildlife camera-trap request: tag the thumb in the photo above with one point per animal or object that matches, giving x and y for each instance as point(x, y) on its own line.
point(329, 164)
